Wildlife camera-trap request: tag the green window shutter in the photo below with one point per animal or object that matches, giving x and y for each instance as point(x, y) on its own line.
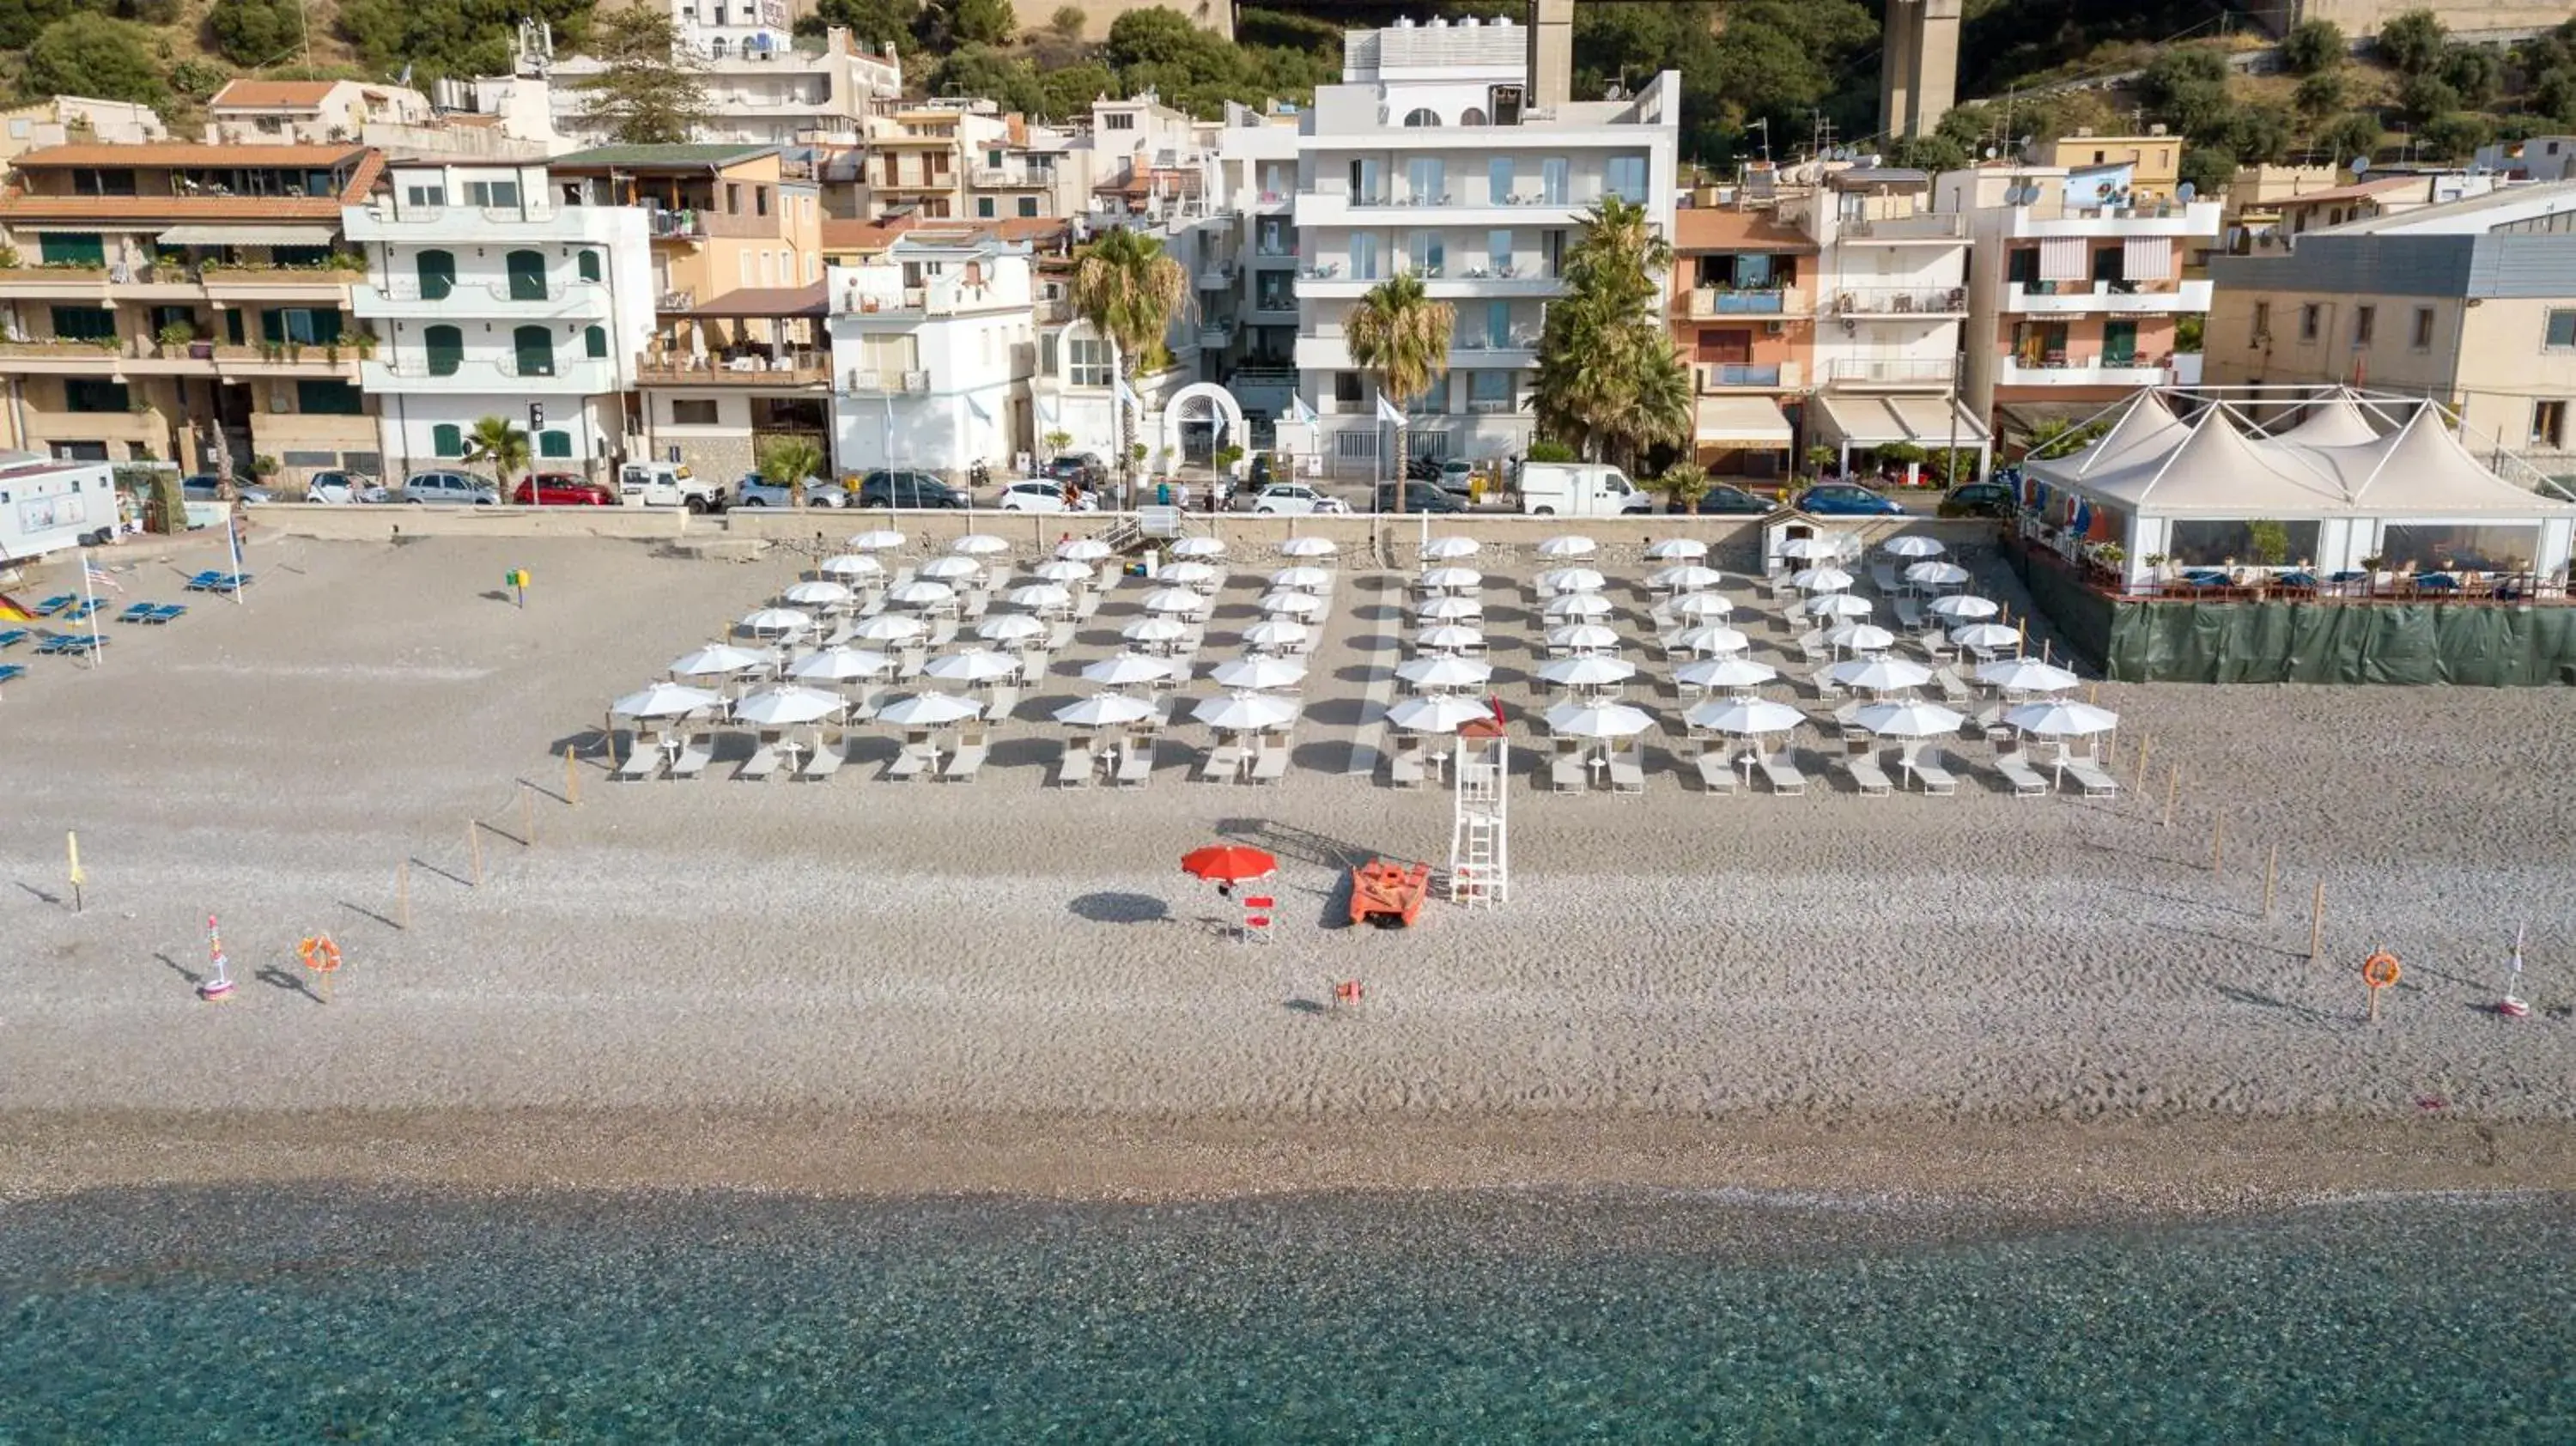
point(554, 444)
point(447, 440)
point(589, 264)
point(594, 341)
point(82, 248)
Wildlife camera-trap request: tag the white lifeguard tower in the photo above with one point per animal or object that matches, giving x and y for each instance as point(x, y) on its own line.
point(1479, 839)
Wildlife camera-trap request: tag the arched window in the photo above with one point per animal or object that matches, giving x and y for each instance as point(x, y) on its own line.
point(447, 440)
point(588, 262)
point(1473, 117)
point(437, 273)
point(527, 275)
point(1421, 118)
point(594, 341)
point(446, 347)
point(554, 443)
point(534, 349)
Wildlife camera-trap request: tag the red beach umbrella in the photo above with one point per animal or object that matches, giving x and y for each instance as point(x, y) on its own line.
point(1229, 863)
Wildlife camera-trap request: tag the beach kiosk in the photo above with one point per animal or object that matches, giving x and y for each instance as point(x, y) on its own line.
point(48, 505)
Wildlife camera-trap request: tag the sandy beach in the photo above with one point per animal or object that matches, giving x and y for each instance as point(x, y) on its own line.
point(873, 987)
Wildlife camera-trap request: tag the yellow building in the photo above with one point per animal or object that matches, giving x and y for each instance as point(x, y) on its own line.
point(2154, 159)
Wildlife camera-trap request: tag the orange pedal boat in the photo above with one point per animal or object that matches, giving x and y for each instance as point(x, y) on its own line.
point(1389, 894)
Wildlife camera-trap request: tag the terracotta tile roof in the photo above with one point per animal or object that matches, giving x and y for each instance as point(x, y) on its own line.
point(2363, 191)
point(184, 153)
point(865, 235)
point(143, 210)
point(273, 94)
point(1715, 228)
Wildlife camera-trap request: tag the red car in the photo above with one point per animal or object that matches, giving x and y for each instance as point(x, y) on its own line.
point(563, 489)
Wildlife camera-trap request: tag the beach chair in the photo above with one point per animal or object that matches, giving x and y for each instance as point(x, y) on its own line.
point(1781, 769)
point(972, 749)
point(1567, 773)
point(999, 703)
point(56, 603)
point(1866, 775)
point(1074, 770)
point(1910, 613)
point(2096, 781)
point(1270, 763)
point(643, 760)
point(1224, 764)
point(825, 760)
point(1404, 767)
point(1930, 773)
point(1136, 763)
point(762, 763)
point(694, 757)
point(943, 630)
point(912, 760)
point(167, 613)
point(63, 644)
point(1715, 774)
point(136, 613)
point(1628, 770)
point(1033, 667)
point(2025, 780)
point(12, 637)
point(1883, 576)
point(12, 672)
point(1954, 689)
point(82, 611)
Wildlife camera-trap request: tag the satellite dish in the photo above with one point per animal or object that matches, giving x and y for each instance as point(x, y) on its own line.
point(1990, 153)
point(2360, 164)
point(2185, 192)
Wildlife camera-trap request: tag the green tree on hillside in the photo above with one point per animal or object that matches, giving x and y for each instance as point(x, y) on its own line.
point(454, 37)
point(1011, 83)
point(2454, 137)
point(2323, 94)
point(2313, 47)
point(2476, 72)
point(648, 93)
point(2413, 42)
point(1066, 22)
point(256, 32)
point(2422, 97)
point(2187, 85)
point(987, 22)
point(871, 23)
point(21, 21)
point(93, 55)
point(2354, 136)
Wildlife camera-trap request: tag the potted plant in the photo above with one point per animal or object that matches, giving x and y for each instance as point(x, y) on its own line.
point(366, 344)
point(264, 468)
point(1228, 457)
point(176, 336)
point(2269, 542)
point(1683, 484)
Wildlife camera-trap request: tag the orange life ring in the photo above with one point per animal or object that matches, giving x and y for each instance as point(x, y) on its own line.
point(2380, 970)
point(319, 954)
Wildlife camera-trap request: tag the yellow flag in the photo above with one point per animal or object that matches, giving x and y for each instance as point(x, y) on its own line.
point(72, 840)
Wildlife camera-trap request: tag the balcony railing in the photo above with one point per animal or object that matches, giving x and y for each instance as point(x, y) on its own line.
point(1725, 301)
point(1891, 371)
point(1488, 406)
point(1920, 226)
point(1899, 300)
point(1740, 374)
point(890, 384)
point(409, 288)
point(788, 369)
point(1258, 375)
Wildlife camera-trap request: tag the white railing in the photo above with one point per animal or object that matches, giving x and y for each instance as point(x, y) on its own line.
point(1899, 300)
point(1891, 371)
point(867, 383)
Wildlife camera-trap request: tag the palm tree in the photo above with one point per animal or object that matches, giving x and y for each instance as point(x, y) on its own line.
point(1400, 337)
point(1129, 291)
point(1608, 375)
point(495, 441)
point(791, 462)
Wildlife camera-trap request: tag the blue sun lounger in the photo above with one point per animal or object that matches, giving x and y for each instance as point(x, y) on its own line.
point(136, 613)
point(13, 637)
point(60, 643)
point(213, 581)
point(167, 612)
point(12, 672)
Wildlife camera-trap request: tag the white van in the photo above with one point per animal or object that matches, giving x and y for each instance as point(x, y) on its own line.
point(1579, 489)
point(667, 484)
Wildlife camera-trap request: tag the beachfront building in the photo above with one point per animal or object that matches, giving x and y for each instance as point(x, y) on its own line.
point(1454, 152)
point(2472, 304)
point(932, 352)
point(491, 288)
point(921, 153)
point(1256, 160)
point(764, 86)
point(309, 112)
point(62, 119)
point(173, 302)
point(2076, 293)
point(1744, 312)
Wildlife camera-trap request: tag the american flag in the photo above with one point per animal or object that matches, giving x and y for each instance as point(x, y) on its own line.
point(100, 577)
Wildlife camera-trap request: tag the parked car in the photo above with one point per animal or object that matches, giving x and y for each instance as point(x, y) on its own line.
point(562, 489)
point(1844, 499)
point(458, 489)
point(1295, 499)
point(1418, 497)
point(344, 487)
point(1980, 499)
point(898, 488)
point(1580, 489)
point(667, 484)
point(1081, 467)
point(207, 487)
point(1457, 476)
point(1037, 494)
point(1723, 500)
point(756, 491)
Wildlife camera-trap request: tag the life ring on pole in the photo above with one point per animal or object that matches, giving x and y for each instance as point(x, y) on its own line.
point(2380, 970)
point(319, 954)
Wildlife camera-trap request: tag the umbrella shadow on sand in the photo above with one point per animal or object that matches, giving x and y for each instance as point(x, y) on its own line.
point(1121, 908)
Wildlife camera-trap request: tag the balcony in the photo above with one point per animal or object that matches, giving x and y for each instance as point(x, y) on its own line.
point(886, 384)
point(1216, 274)
point(54, 283)
point(1938, 302)
point(2149, 218)
point(1706, 302)
point(1216, 332)
point(1281, 305)
point(403, 297)
point(318, 360)
point(62, 358)
point(1331, 281)
point(1896, 373)
point(309, 286)
point(1917, 228)
point(1331, 203)
point(501, 376)
point(2064, 298)
point(386, 219)
point(1740, 376)
point(792, 371)
point(951, 297)
point(2059, 369)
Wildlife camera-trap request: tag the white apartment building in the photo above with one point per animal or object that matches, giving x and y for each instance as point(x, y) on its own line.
point(489, 290)
point(1438, 156)
point(764, 87)
point(932, 349)
point(309, 112)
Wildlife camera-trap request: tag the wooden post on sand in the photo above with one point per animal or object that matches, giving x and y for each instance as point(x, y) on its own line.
point(2093, 694)
point(2173, 790)
point(609, 732)
point(2271, 874)
point(2317, 924)
point(2146, 746)
point(572, 777)
point(2218, 846)
point(402, 893)
point(528, 814)
point(474, 842)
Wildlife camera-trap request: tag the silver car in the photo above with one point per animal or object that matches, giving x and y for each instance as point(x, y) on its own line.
point(454, 489)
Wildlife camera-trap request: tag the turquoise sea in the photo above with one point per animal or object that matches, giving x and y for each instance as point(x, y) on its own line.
point(234, 1315)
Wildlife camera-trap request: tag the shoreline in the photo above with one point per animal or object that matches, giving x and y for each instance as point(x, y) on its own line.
point(2033, 1170)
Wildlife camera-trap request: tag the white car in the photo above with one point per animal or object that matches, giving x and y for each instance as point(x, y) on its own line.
point(343, 488)
point(754, 492)
point(1039, 495)
point(1295, 499)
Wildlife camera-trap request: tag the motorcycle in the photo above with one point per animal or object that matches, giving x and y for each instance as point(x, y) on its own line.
point(979, 475)
point(1422, 469)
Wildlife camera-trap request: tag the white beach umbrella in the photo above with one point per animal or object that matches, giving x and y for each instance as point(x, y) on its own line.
point(664, 700)
point(1154, 630)
point(784, 707)
point(2061, 718)
point(1187, 574)
point(1309, 547)
point(2025, 675)
point(718, 660)
point(1678, 549)
point(817, 593)
point(1964, 608)
point(1449, 638)
point(777, 620)
point(1062, 570)
point(1936, 574)
point(1126, 670)
point(1838, 605)
point(1038, 596)
point(1822, 579)
point(1447, 549)
point(1594, 671)
point(1597, 720)
point(1105, 710)
point(921, 593)
point(1879, 675)
point(1744, 716)
point(930, 710)
point(1297, 604)
point(1451, 579)
point(1444, 670)
point(1811, 547)
point(1582, 637)
point(1725, 673)
point(879, 539)
point(1713, 638)
point(1436, 713)
point(979, 544)
point(1862, 638)
point(1911, 545)
point(1701, 605)
point(1081, 549)
point(1277, 633)
point(1985, 635)
point(951, 569)
point(889, 628)
point(1573, 579)
point(973, 665)
point(1570, 545)
point(1451, 609)
point(1198, 547)
point(1246, 712)
point(1303, 579)
point(1908, 720)
point(851, 564)
point(841, 665)
point(1578, 605)
point(1686, 577)
point(1257, 674)
point(1175, 600)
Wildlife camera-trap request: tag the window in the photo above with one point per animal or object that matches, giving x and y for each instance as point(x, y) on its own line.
point(1471, 117)
point(1627, 178)
point(554, 442)
point(84, 323)
point(1364, 256)
point(993, 160)
point(1551, 180)
point(1551, 245)
point(938, 163)
point(424, 197)
point(308, 326)
point(1090, 358)
point(2262, 320)
point(447, 440)
point(1498, 323)
point(936, 207)
point(503, 195)
point(1426, 179)
point(1047, 343)
point(733, 198)
point(2548, 424)
point(1421, 118)
point(2561, 333)
point(446, 347)
point(742, 265)
point(1346, 387)
point(1366, 189)
point(532, 351)
point(693, 412)
point(594, 342)
point(1498, 251)
point(329, 399)
point(1489, 391)
point(74, 249)
point(760, 200)
point(586, 266)
point(2423, 338)
point(527, 271)
point(1028, 205)
point(1119, 120)
point(2310, 316)
point(1429, 252)
point(984, 208)
point(2364, 321)
point(437, 273)
point(92, 394)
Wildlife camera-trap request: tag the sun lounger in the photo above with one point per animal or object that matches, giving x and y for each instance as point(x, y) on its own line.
point(12, 672)
point(1714, 775)
point(1270, 764)
point(826, 760)
point(1086, 605)
point(643, 760)
point(1929, 774)
point(13, 637)
point(910, 761)
point(1074, 770)
point(1568, 775)
point(1627, 773)
point(943, 631)
point(1884, 575)
point(136, 613)
point(1909, 612)
point(693, 759)
point(762, 763)
point(966, 761)
point(2016, 769)
point(1404, 768)
point(1033, 667)
point(167, 612)
point(1867, 775)
point(999, 703)
point(83, 612)
point(1954, 689)
point(1136, 764)
point(1782, 770)
point(61, 644)
point(56, 603)
point(2089, 772)
point(1224, 764)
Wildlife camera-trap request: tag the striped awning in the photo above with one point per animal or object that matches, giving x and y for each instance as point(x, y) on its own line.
point(2064, 258)
point(2147, 258)
point(248, 235)
point(1741, 422)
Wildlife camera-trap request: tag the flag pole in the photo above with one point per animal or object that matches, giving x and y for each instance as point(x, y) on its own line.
point(232, 535)
point(90, 599)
